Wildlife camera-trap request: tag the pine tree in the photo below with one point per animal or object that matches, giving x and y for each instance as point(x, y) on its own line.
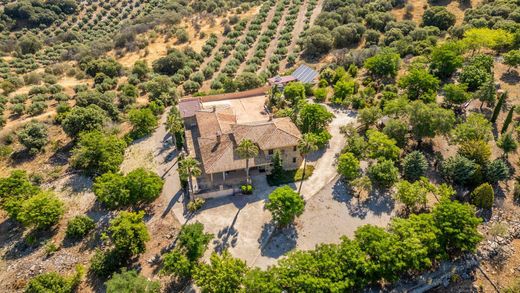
point(498, 107)
point(508, 120)
point(277, 164)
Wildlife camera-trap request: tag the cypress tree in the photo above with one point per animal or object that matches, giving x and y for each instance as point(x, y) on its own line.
point(498, 107)
point(508, 120)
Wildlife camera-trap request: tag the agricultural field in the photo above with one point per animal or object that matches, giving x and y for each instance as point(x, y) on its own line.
point(408, 138)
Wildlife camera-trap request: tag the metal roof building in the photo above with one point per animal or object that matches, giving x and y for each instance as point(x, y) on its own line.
point(305, 74)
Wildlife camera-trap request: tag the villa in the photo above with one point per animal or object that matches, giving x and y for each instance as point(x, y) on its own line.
point(215, 128)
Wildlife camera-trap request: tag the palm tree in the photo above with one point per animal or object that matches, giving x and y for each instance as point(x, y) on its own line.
point(307, 144)
point(247, 149)
point(362, 185)
point(189, 167)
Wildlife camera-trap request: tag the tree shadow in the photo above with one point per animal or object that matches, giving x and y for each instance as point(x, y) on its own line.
point(175, 198)
point(78, 183)
point(29, 244)
point(379, 201)
point(276, 242)
point(62, 155)
point(10, 231)
point(510, 77)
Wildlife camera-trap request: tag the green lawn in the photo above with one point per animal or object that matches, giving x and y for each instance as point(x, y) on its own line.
point(290, 176)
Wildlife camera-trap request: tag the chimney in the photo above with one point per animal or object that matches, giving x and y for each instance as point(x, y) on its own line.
point(270, 117)
point(219, 135)
point(214, 109)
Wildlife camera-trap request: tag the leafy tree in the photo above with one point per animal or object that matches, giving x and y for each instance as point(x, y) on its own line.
point(294, 92)
point(344, 89)
point(420, 85)
point(110, 189)
point(29, 44)
point(223, 274)
point(161, 88)
point(456, 94)
point(175, 126)
point(348, 166)
point(369, 116)
point(476, 127)
point(496, 39)
point(247, 149)
point(79, 226)
point(383, 173)
point(507, 143)
point(318, 40)
point(458, 226)
point(428, 120)
point(362, 184)
point(131, 282)
point(144, 186)
point(346, 35)
point(171, 63)
point(14, 190)
point(248, 80)
point(445, 59)
point(397, 130)
point(459, 170)
point(412, 195)
point(476, 150)
point(258, 280)
point(97, 153)
point(33, 136)
point(381, 146)
point(497, 170)
point(141, 69)
point(414, 166)
point(384, 64)
point(128, 233)
point(143, 122)
point(84, 119)
point(381, 247)
point(189, 167)
point(474, 76)
point(108, 66)
point(486, 93)
point(314, 118)
point(193, 240)
point(483, 196)
point(438, 16)
point(285, 205)
point(307, 144)
point(512, 59)
point(41, 211)
point(177, 264)
point(418, 240)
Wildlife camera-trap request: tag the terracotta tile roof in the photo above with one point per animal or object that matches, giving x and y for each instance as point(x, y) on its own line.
point(188, 107)
point(220, 135)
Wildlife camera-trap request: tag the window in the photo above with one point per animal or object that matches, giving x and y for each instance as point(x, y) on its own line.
point(294, 160)
point(294, 148)
point(271, 152)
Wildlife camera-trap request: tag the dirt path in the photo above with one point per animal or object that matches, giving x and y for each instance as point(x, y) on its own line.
point(298, 28)
point(324, 161)
point(274, 42)
point(252, 50)
point(316, 12)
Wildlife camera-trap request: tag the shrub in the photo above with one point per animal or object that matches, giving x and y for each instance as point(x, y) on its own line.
point(97, 153)
point(79, 226)
point(128, 233)
point(414, 166)
point(41, 211)
point(33, 136)
point(459, 170)
point(84, 119)
point(54, 282)
point(384, 64)
point(285, 205)
point(193, 240)
point(246, 189)
point(196, 204)
point(130, 281)
point(177, 264)
point(497, 170)
point(483, 196)
point(104, 263)
point(348, 166)
point(438, 16)
point(383, 173)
